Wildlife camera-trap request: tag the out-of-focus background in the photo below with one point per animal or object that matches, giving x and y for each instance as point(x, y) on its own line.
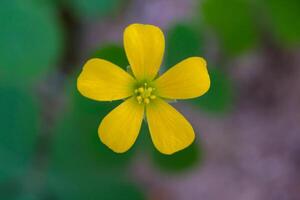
point(248, 125)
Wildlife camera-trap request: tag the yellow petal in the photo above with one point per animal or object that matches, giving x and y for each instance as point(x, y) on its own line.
point(170, 131)
point(104, 81)
point(144, 46)
point(120, 128)
point(187, 79)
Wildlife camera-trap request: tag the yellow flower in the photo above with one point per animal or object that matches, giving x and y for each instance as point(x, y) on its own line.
point(146, 93)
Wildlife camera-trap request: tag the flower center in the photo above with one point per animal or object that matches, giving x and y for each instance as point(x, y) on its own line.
point(144, 94)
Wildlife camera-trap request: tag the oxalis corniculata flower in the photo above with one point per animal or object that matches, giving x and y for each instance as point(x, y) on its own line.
point(144, 93)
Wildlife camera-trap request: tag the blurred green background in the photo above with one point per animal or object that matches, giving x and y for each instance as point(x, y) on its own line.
point(247, 125)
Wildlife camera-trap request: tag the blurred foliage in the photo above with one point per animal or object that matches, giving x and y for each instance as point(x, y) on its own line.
point(92, 8)
point(183, 42)
point(19, 125)
point(82, 167)
point(239, 24)
point(283, 17)
point(220, 96)
point(82, 121)
point(180, 161)
point(78, 131)
point(30, 39)
point(233, 22)
point(114, 53)
point(93, 185)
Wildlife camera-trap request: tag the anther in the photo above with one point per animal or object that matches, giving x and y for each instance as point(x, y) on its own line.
point(141, 90)
point(150, 89)
point(146, 101)
point(136, 91)
point(139, 99)
point(152, 97)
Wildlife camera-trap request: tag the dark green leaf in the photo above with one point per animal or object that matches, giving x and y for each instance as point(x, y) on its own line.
point(19, 126)
point(79, 127)
point(30, 39)
point(182, 42)
point(233, 23)
point(219, 97)
point(92, 8)
point(284, 18)
point(95, 185)
point(81, 166)
point(113, 53)
point(78, 132)
point(182, 160)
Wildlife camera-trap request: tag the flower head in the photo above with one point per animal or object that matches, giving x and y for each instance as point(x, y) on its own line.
point(144, 93)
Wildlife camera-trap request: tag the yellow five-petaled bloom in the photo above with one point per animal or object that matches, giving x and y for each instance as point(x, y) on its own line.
point(144, 92)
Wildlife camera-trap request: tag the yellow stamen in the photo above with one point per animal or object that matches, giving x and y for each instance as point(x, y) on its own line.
point(141, 90)
point(144, 94)
point(152, 97)
point(139, 99)
point(146, 100)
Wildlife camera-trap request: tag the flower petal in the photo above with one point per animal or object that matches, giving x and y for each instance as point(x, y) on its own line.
point(187, 79)
point(144, 46)
point(119, 129)
point(170, 131)
point(104, 81)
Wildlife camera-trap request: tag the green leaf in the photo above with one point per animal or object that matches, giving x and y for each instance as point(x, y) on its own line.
point(180, 161)
point(30, 40)
point(26, 196)
point(78, 132)
point(182, 42)
point(81, 166)
point(96, 185)
point(219, 98)
point(19, 126)
point(113, 53)
point(233, 23)
point(284, 19)
point(78, 128)
point(92, 8)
